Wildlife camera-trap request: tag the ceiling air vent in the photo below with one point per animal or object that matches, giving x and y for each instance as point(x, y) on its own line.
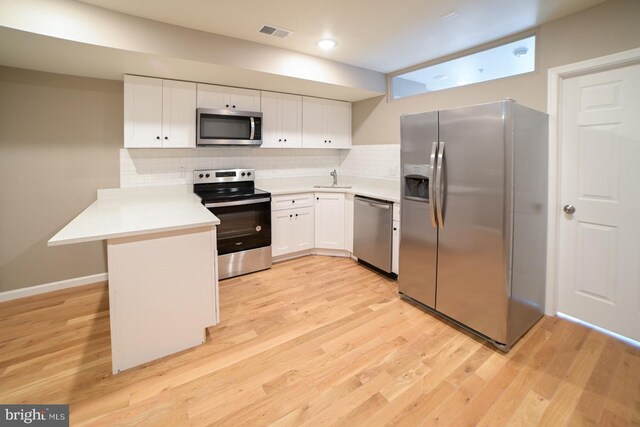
point(270, 30)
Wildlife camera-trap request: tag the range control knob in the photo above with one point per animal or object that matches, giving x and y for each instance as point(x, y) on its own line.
point(243, 174)
point(207, 176)
point(248, 173)
point(201, 175)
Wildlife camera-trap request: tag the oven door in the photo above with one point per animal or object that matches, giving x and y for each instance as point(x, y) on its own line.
point(244, 224)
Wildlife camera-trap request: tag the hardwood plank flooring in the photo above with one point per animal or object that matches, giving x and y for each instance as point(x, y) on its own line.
point(315, 341)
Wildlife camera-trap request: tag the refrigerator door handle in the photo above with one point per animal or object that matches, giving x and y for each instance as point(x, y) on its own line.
point(432, 200)
point(438, 185)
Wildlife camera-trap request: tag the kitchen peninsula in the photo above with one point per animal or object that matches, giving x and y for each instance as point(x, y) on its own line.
point(163, 286)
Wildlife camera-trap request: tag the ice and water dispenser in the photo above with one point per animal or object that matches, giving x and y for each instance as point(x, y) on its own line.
point(416, 182)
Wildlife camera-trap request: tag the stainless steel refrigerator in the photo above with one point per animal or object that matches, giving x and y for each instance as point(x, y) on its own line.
point(474, 216)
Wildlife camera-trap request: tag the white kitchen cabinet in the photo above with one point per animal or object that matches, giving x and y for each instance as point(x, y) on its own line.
point(395, 248)
point(330, 221)
point(159, 113)
point(348, 222)
point(231, 98)
point(325, 123)
point(290, 201)
point(292, 230)
point(281, 120)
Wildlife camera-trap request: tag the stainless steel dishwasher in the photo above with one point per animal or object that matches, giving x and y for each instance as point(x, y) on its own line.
point(372, 232)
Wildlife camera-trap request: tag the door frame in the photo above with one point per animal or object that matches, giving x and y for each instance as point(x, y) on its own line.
point(556, 77)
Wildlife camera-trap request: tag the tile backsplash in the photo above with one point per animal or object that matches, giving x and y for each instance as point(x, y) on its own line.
point(150, 167)
point(380, 161)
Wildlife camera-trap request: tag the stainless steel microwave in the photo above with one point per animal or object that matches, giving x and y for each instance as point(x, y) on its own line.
point(228, 127)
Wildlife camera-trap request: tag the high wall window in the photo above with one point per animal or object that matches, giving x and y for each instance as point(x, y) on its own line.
point(509, 59)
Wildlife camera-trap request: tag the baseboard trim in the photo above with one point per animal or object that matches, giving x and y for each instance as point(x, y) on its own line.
point(315, 251)
point(332, 252)
point(53, 286)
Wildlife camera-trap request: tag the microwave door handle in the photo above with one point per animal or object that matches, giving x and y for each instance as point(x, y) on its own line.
point(253, 128)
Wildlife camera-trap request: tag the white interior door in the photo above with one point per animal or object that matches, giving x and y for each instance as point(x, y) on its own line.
point(599, 248)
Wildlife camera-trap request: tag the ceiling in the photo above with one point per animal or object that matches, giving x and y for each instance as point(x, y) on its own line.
point(379, 35)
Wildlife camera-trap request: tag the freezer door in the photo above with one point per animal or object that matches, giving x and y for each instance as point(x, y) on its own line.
point(419, 235)
point(472, 250)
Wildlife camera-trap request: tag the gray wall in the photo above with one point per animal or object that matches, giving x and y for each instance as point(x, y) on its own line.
point(59, 141)
point(612, 26)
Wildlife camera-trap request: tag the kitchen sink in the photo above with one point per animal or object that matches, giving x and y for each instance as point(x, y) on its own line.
point(331, 186)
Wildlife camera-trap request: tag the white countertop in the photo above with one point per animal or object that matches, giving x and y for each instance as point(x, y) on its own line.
point(122, 212)
point(368, 187)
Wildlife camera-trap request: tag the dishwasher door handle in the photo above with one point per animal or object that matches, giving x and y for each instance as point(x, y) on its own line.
point(373, 204)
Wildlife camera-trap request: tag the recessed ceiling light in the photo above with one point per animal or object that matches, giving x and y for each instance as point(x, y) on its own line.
point(327, 44)
point(449, 15)
point(441, 77)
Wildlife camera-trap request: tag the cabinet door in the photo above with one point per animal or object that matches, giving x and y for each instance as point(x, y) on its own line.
point(211, 96)
point(338, 123)
point(282, 232)
point(243, 99)
point(395, 249)
point(142, 112)
point(271, 135)
point(290, 119)
point(329, 220)
point(348, 222)
point(314, 133)
point(305, 225)
point(178, 114)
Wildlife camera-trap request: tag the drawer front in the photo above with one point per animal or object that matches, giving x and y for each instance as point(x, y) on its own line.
point(291, 201)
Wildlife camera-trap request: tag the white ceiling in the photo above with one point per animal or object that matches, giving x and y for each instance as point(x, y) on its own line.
point(380, 35)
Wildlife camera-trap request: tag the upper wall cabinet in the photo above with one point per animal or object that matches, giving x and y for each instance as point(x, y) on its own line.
point(159, 113)
point(325, 123)
point(281, 120)
point(228, 98)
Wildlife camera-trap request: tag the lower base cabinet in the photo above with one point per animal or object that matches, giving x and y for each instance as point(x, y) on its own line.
point(330, 221)
point(395, 251)
point(321, 220)
point(292, 230)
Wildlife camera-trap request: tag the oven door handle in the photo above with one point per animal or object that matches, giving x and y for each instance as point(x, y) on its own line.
point(237, 203)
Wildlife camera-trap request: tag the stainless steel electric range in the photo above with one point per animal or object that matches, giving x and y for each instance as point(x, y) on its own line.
point(244, 233)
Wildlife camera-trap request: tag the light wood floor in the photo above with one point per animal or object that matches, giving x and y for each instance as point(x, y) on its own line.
point(315, 341)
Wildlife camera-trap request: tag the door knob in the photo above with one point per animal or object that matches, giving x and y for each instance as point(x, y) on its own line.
point(570, 209)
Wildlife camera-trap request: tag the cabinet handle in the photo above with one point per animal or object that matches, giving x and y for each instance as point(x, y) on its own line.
point(279, 140)
point(234, 106)
point(293, 201)
point(227, 105)
point(166, 137)
point(157, 137)
point(290, 216)
point(317, 198)
point(285, 140)
point(395, 229)
point(296, 214)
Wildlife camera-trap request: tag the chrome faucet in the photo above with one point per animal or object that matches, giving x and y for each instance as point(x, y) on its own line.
point(334, 174)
